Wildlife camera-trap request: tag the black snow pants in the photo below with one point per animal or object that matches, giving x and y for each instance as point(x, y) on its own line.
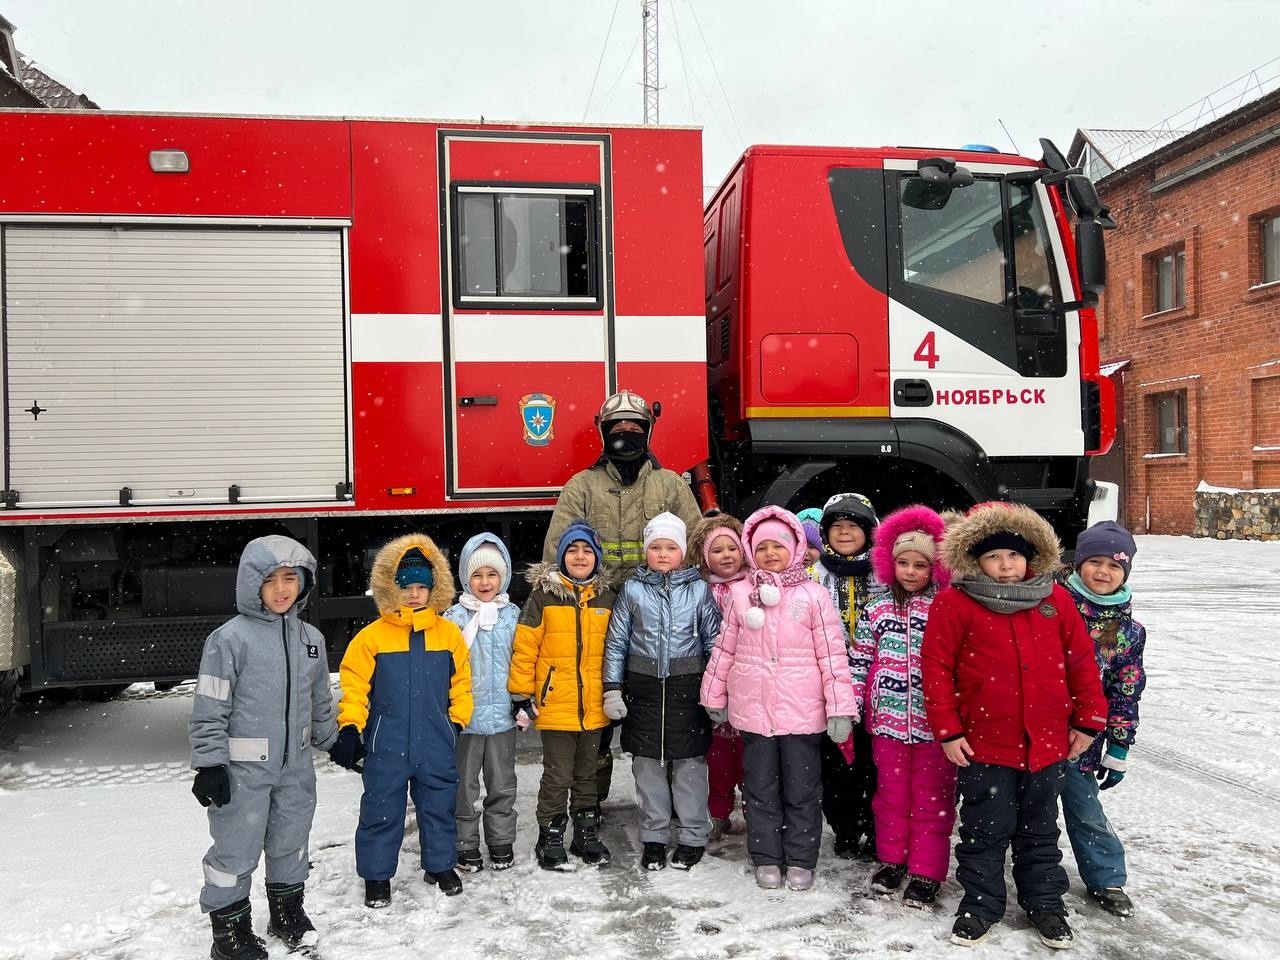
point(1002, 807)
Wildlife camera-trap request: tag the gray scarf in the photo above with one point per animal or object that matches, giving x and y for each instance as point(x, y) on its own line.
point(1007, 597)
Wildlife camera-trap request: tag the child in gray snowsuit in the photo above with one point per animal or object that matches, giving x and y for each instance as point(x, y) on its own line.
point(261, 702)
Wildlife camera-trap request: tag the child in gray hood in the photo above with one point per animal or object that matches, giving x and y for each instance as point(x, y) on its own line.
point(261, 702)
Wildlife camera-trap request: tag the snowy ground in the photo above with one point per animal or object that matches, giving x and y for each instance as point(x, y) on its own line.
point(102, 839)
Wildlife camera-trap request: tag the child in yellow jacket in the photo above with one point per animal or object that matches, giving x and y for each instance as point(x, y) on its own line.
point(557, 675)
point(406, 693)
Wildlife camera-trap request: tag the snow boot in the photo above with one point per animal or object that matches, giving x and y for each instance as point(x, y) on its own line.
point(501, 856)
point(289, 922)
point(448, 881)
point(233, 936)
point(586, 838)
point(653, 856)
point(377, 893)
point(768, 876)
point(1053, 928)
point(1113, 900)
point(470, 861)
point(686, 856)
point(799, 878)
point(888, 878)
point(550, 846)
point(921, 892)
point(846, 847)
point(969, 931)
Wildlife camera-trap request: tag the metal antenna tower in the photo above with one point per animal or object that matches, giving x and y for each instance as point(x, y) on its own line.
point(649, 21)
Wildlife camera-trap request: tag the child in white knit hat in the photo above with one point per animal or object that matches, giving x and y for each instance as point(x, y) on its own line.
point(664, 624)
point(488, 743)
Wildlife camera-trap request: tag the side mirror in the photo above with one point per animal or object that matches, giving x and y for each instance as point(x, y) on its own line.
point(1091, 258)
point(936, 178)
point(1053, 158)
point(1085, 201)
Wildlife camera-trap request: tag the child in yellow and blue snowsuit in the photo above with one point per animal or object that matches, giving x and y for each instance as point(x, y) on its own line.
point(406, 693)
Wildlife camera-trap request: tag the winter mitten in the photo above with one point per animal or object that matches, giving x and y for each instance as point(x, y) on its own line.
point(839, 729)
point(718, 714)
point(614, 708)
point(347, 750)
point(523, 712)
point(1114, 764)
point(212, 786)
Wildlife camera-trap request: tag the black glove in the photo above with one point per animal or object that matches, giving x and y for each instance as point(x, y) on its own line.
point(347, 751)
point(212, 786)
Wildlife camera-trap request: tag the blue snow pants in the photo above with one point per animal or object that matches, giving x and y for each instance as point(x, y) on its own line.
point(411, 744)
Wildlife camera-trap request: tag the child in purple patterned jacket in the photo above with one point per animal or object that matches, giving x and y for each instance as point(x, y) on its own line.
point(914, 803)
point(1099, 588)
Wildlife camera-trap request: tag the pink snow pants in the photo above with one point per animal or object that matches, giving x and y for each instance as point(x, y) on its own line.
point(914, 805)
point(724, 770)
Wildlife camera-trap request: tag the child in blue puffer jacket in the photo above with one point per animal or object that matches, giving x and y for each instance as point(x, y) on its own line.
point(1099, 588)
point(488, 743)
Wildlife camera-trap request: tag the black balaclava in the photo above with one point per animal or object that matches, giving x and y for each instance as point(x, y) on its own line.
point(627, 450)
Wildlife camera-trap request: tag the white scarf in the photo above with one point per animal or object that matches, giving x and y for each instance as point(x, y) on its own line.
point(484, 614)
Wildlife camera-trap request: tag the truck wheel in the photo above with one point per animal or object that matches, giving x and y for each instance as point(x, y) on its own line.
point(8, 694)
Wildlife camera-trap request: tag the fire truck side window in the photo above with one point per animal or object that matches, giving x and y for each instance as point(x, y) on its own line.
point(1035, 287)
point(526, 246)
point(953, 243)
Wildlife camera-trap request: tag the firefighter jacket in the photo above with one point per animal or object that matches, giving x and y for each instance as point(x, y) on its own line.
point(406, 677)
point(663, 628)
point(618, 511)
point(559, 653)
point(262, 698)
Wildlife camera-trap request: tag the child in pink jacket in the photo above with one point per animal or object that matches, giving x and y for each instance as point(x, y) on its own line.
point(780, 674)
point(914, 804)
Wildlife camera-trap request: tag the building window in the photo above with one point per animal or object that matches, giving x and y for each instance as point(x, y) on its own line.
point(1169, 280)
point(1170, 414)
point(1269, 247)
point(526, 246)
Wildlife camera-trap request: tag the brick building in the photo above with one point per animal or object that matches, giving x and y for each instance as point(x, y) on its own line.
point(1190, 320)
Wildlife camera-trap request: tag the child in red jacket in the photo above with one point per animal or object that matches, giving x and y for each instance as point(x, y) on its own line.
point(1012, 692)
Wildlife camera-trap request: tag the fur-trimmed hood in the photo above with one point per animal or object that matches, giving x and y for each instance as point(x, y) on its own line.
point(914, 517)
point(992, 517)
point(549, 578)
point(698, 537)
point(382, 580)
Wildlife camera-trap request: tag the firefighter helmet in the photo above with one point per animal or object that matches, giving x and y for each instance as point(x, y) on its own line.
point(624, 405)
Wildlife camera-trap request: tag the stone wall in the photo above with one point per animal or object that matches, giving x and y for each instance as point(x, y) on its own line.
point(1238, 514)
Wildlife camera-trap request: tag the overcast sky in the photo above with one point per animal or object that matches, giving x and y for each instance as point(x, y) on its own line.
point(857, 72)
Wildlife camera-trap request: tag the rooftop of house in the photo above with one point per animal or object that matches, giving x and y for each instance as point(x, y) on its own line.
point(33, 83)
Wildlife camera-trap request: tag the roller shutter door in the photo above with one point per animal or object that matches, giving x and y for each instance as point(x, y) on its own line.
point(175, 363)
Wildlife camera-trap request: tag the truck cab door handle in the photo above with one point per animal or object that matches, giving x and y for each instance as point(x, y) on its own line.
point(477, 401)
point(912, 393)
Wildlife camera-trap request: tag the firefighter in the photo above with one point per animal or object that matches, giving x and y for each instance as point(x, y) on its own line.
point(617, 495)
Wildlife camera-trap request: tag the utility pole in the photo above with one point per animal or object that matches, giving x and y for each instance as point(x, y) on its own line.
point(649, 20)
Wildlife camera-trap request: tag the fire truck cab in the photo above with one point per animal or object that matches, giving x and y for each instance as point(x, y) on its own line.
point(906, 324)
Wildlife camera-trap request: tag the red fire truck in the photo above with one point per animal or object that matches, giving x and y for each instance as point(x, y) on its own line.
point(220, 327)
point(909, 325)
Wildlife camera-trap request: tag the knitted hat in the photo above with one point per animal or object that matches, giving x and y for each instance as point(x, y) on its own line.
point(1004, 540)
point(811, 520)
point(776, 530)
point(916, 540)
point(1107, 539)
point(484, 556)
point(665, 526)
point(850, 506)
point(579, 530)
point(415, 568)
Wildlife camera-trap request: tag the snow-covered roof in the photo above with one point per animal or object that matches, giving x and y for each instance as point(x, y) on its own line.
point(49, 90)
point(1109, 369)
point(1112, 149)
